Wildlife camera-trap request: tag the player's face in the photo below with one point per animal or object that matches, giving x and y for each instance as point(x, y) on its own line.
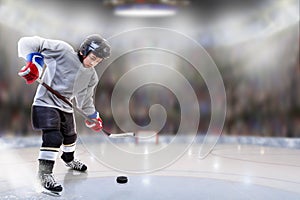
point(91, 60)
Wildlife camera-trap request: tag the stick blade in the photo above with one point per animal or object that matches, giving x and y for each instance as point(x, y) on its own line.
point(122, 135)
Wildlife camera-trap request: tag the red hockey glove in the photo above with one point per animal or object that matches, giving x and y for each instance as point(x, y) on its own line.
point(34, 67)
point(97, 125)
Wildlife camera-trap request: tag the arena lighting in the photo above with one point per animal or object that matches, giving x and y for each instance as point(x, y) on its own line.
point(145, 10)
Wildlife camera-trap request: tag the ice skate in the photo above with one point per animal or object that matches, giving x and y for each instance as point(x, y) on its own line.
point(77, 165)
point(50, 186)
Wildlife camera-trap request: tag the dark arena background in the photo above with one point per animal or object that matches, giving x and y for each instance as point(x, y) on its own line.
point(211, 89)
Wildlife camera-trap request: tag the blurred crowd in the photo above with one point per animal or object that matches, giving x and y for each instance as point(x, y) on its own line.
point(259, 103)
point(266, 104)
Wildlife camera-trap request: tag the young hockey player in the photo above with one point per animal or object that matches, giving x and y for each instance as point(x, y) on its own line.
point(72, 74)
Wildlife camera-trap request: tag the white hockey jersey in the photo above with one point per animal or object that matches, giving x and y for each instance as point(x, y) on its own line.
point(64, 73)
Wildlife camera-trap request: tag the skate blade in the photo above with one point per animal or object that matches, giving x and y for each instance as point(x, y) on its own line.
point(51, 193)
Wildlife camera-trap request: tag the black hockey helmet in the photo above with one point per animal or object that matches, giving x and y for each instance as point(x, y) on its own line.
point(96, 44)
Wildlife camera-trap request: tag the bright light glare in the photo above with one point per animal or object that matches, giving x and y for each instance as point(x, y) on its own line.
point(145, 11)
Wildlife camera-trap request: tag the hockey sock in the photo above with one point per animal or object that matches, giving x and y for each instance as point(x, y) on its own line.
point(45, 166)
point(67, 156)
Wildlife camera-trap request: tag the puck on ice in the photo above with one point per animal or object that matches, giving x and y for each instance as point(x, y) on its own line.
point(122, 179)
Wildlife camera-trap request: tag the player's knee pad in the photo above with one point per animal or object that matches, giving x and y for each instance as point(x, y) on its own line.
point(45, 118)
point(70, 139)
point(52, 138)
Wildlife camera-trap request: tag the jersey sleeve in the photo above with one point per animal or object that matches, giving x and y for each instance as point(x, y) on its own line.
point(28, 45)
point(32, 44)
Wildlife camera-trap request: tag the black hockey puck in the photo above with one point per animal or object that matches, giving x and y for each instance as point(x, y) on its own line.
point(122, 179)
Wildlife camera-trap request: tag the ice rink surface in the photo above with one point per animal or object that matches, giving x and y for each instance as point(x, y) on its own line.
point(230, 171)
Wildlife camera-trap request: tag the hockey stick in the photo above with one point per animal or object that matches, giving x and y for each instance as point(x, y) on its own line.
point(79, 111)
